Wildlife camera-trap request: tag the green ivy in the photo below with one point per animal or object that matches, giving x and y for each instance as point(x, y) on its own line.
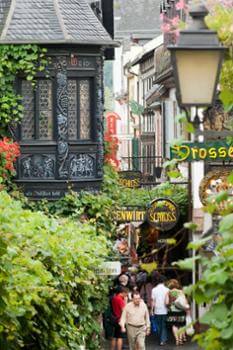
point(27, 60)
point(99, 209)
point(69, 245)
point(221, 19)
point(50, 294)
point(142, 197)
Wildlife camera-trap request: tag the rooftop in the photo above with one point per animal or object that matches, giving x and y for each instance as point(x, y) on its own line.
point(140, 17)
point(50, 22)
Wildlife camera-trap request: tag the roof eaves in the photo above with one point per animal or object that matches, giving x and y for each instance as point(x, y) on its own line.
point(148, 50)
point(142, 58)
point(106, 43)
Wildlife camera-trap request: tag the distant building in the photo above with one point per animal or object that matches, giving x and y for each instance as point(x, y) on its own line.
point(136, 22)
point(137, 19)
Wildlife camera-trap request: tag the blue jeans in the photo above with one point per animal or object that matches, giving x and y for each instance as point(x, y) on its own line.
point(162, 327)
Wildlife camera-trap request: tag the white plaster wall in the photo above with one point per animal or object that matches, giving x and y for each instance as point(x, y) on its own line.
point(197, 176)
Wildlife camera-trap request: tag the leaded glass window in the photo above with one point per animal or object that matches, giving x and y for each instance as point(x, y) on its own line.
point(79, 109)
point(28, 122)
point(85, 110)
point(45, 103)
point(37, 123)
point(72, 109)
point(39, 114)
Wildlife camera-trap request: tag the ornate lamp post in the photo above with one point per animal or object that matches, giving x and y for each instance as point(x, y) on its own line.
point(196, 61)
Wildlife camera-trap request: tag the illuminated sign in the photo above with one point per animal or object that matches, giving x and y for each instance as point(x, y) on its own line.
point(196, 151)
point(163, 214)
point(130, 214)
point(130, 179)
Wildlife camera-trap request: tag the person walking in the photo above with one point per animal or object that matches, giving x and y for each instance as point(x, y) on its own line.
point(178, 309)
point(118, 303)
point(136, 320)
point(159, 302)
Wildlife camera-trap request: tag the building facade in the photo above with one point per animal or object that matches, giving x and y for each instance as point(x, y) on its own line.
point(61, 134)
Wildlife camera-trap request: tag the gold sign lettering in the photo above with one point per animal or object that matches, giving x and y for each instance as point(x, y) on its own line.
point(128, 215)
point(134, 183)
point(202, 151)
point(212, 153)
point(163, 214)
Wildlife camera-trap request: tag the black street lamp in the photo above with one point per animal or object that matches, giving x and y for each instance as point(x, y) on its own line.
point(196, 60)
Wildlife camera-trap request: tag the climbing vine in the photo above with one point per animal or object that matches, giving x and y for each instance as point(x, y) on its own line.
point(27, 60)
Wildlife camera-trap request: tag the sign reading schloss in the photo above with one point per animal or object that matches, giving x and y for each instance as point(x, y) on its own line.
point(130, 178)
point(109, 268)
point(196, 151)
point(163, 214)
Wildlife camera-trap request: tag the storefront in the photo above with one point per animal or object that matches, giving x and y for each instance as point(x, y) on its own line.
point(153, 238)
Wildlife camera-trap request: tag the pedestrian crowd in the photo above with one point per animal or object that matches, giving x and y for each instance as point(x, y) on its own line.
point(140, 305)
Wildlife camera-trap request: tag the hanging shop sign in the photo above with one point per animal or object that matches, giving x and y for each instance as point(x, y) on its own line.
point(111, 122)
point(213, 183)
point(130, 214)
point(212, 150)
point(109, 268)
point(130, 179)
point(163, 214)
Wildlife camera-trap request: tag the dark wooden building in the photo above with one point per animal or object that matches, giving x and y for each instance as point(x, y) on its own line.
point(61, 134)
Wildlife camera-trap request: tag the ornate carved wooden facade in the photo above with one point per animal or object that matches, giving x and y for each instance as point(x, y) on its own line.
point(61, 134)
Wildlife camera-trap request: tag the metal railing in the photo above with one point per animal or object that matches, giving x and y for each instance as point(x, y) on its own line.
point(151, 168)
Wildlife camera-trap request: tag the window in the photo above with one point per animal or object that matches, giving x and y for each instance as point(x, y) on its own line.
point(37, 102)
point(39, 109)
point(79, 109)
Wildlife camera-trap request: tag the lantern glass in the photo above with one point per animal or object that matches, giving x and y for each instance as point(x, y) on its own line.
point(197, 72)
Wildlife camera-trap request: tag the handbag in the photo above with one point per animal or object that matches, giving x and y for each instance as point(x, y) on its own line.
point(189, 326)
point(153, 324)
point(181, 302)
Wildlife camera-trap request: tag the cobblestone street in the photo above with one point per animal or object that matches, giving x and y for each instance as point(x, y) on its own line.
point(152, 344)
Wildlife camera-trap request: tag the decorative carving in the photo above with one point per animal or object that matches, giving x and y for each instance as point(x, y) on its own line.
point(38, 166)
point(99, 116)
point(82, 165)
point(213, 183)
point(216, 118)
point(81, 62)
point(62, 116)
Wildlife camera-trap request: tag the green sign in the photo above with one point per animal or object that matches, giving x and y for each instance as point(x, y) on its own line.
point(195, 151)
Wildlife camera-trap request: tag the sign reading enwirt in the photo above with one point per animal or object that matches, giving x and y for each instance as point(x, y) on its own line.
point(213, 150)
point(163, 214)
point(130, 214)
point(130, 179)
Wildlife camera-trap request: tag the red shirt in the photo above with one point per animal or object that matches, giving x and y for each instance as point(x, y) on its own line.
point(118, 304)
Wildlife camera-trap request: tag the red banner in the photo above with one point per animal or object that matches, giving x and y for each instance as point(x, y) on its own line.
point(111, 139)
point(111, 123)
